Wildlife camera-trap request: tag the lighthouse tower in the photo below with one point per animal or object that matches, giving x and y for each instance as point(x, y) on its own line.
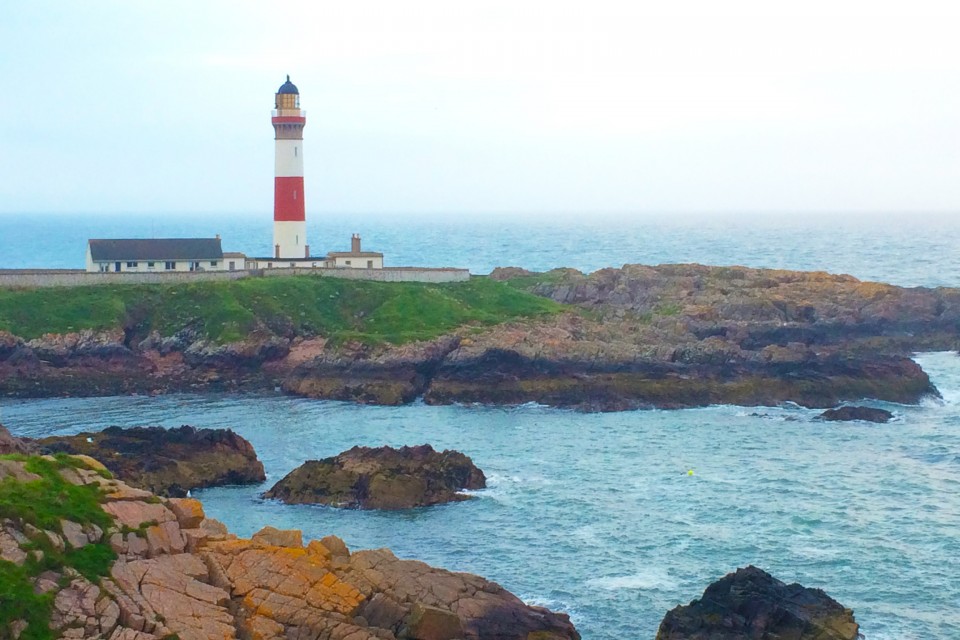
point(289, 218)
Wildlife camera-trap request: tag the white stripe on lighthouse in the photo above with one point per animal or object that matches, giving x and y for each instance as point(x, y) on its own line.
point(289, 159)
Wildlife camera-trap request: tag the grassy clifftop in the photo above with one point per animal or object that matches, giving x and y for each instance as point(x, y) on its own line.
point(301, 305)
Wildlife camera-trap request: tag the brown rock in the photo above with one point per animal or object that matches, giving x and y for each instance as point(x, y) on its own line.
point(381, 478)
point(167, 461)
point(11, 444)
point(432, 623)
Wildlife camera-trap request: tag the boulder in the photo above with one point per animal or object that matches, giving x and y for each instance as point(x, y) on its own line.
point(867, 414)
point(167, 462)
point(381, 478)
point(751, 604)
point(12, 444)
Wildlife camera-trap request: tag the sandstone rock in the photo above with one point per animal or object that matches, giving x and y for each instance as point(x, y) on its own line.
point(269, 536)
point(167, 461)
point(848, 413)
point(753, 604)
point(381, 478)
point(189, 512)
point(74, 534)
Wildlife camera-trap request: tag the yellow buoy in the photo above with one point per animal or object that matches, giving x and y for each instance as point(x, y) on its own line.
point(690, 473)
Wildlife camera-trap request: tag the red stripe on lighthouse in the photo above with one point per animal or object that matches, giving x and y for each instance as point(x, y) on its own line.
point(288, 200)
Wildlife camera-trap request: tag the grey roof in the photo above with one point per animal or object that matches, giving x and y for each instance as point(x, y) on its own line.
point(156, 249)
point(288, 87)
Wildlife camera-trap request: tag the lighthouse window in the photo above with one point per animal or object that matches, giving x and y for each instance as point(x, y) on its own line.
point(168, 265)
point(294, 195)
point(294, 152)
point(131, 265)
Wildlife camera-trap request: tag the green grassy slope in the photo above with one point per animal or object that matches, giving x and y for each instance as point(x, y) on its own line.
point(302, 305)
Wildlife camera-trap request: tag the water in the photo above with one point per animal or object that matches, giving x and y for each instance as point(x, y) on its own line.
point(908, 250)
point(597, 515)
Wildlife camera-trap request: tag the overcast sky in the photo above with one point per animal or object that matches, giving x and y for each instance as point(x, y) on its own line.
point(452, 106)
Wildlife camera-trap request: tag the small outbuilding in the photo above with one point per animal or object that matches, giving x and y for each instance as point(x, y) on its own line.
point(154, 255)
point(355, 258)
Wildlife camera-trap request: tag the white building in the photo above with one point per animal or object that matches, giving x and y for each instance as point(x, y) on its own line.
point(155, 255)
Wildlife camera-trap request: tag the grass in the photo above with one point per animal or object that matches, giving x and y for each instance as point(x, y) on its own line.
point(43, 503)
point(222, 312)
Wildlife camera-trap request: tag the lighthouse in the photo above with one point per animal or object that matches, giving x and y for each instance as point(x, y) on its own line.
point(289, 217)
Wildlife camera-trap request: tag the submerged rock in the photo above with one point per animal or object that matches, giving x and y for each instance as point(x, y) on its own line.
point(177, 573)
point(867, 414)
point(381, 478)
point(168, 462)
point(751, 604)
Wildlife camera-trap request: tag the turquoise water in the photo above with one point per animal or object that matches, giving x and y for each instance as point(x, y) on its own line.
point(597, 515)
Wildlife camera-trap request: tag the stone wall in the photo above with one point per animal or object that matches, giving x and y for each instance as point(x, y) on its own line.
point(30, 278)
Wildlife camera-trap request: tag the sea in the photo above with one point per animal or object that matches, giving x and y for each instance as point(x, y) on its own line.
point(614, 518)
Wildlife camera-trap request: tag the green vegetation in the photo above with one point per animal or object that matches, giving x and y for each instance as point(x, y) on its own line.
point(299, 305)
point(43, 503)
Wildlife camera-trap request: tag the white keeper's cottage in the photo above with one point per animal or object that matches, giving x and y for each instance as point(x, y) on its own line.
point(157, 255)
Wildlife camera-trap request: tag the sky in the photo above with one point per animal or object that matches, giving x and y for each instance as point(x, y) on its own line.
point(456, 107)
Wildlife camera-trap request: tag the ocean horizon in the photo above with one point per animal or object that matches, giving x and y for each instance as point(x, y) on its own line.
point(906, 249)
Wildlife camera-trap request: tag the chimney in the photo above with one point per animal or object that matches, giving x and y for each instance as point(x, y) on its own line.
point(306, 251)
point(218, 236)
point(276, 251)
point(355, 243)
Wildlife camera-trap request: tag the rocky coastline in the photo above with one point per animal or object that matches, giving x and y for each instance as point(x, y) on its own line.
point(671, 336)
point(122, 563)
point(113, 561)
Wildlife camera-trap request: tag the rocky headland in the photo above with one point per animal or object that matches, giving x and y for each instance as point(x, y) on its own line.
point(669, 336)
point(168, 462)
point(117, 562)
point(751, 603)
point(381, 478)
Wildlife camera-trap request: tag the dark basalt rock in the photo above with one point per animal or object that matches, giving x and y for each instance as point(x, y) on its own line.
point(753, 605)
point(868, 414)
point(381, 478)
point(168, 462)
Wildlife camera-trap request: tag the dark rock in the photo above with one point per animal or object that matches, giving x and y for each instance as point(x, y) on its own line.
point(381, 478)
point(168, 462)
point(751, 604)
point(431, 623)
point(867, 414)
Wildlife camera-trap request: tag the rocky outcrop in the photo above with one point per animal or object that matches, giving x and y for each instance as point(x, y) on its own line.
point(388, 375)
point(12, 444)
point(668, 336)
point(381, 478)
point(867, 414)
point(168, 462)
point(752, 604)
point(177, 573)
